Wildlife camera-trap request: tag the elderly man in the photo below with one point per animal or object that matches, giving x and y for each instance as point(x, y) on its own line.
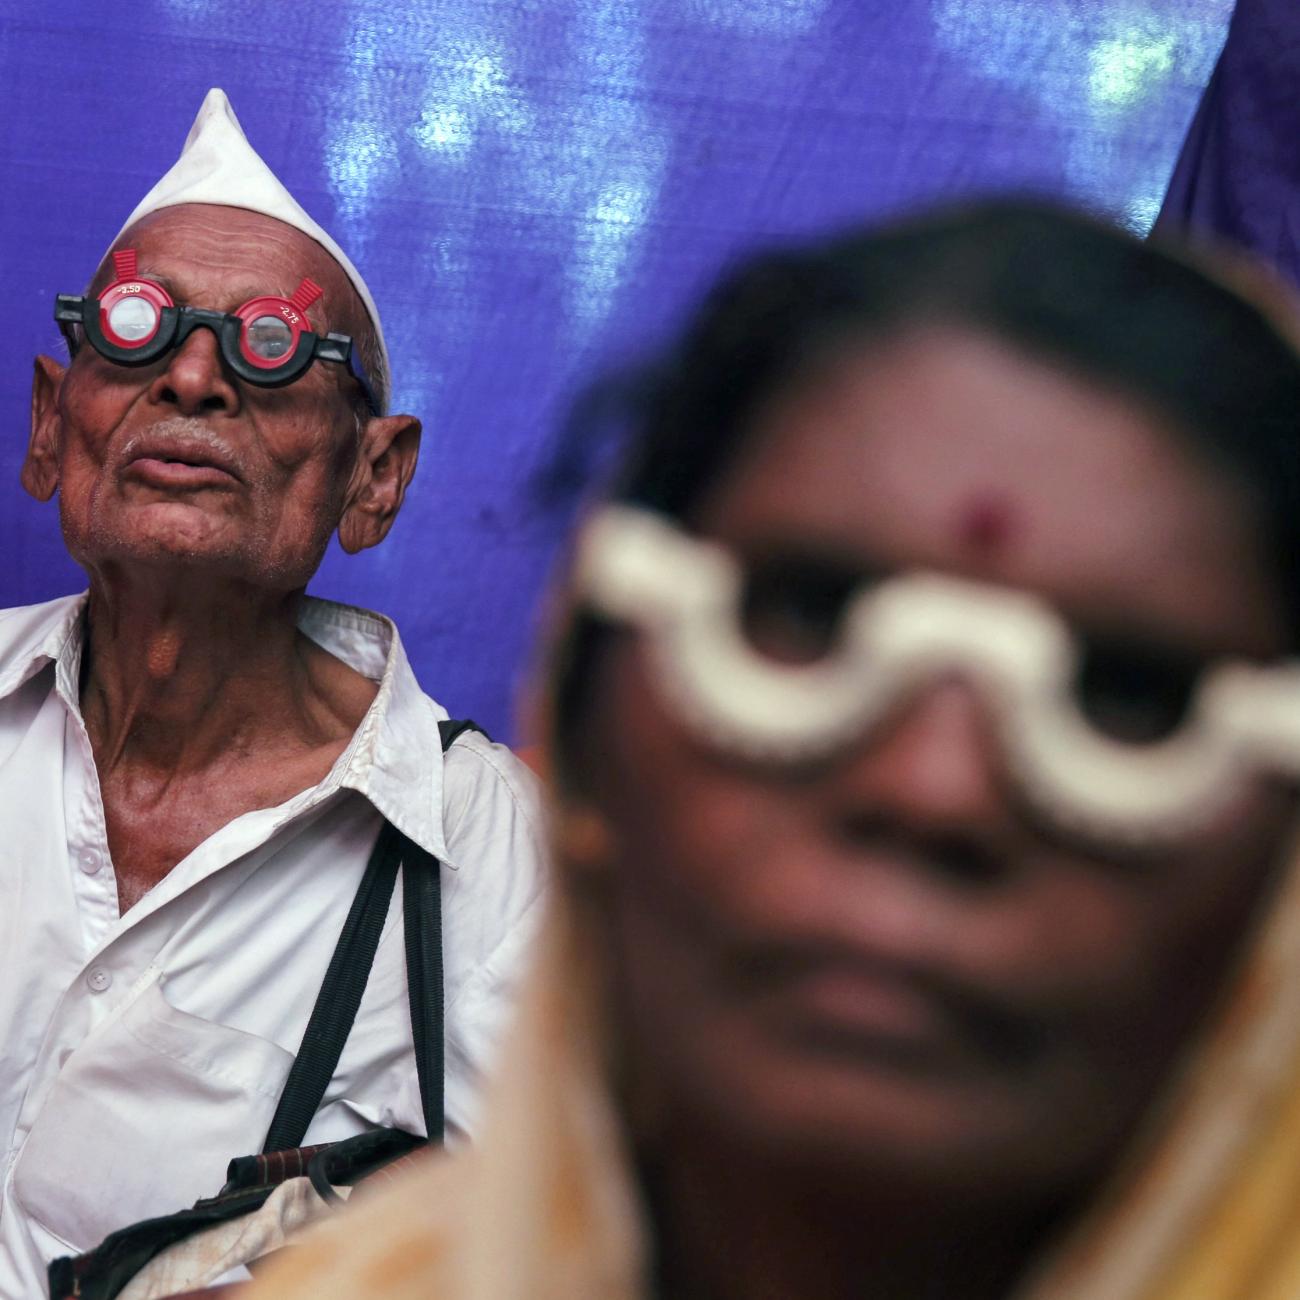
point(195, 758)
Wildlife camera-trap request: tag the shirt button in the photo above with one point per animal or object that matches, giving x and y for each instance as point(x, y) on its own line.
point(90, 863)
point(98, 979)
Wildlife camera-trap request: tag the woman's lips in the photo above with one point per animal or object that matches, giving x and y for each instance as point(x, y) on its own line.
point(842, 1007)
point(844, 996)
point(853, 1002)
point(177, 475)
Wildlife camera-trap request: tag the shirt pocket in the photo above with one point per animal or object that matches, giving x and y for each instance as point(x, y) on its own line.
point(143, 1119)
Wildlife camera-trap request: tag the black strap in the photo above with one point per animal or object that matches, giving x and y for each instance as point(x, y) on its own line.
point(349, 971)
point(422, 897)
point(423, 918)
point(339, 997)
point(452, 729)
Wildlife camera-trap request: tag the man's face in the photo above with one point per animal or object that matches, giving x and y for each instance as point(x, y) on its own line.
point(179, 462)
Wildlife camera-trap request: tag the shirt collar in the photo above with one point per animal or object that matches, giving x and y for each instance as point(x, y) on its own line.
point(32, 636)
point(394, 757)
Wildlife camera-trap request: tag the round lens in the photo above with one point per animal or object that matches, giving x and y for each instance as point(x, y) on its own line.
point(269, 338)
point(792, 608)
point(1135, 693)
point(132, 319)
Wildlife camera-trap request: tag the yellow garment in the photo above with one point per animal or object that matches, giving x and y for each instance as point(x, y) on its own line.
point(544, 1208)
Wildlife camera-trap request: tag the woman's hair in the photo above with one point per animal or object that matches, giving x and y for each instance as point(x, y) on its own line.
point(1135, 318)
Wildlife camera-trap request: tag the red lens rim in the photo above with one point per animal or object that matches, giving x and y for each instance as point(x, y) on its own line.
point(271, 306)
point(119, 289)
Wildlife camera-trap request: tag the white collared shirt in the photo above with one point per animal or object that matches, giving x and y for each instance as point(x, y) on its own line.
point(139, 1053)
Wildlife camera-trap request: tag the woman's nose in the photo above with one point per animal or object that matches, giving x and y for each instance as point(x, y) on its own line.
point(933, 770)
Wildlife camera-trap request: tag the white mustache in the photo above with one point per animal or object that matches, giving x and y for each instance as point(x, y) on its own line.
point(182, 438)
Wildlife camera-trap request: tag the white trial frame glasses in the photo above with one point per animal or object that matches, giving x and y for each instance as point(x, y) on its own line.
point(685, 594)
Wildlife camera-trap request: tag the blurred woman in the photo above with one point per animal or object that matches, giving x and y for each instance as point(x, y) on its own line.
point(925, 742)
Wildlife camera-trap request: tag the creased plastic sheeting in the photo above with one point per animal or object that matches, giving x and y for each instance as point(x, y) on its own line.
point(1238, 176)
point(533, 189)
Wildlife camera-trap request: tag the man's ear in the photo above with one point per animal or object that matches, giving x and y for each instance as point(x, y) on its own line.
point(390, 446)
point(40, 472)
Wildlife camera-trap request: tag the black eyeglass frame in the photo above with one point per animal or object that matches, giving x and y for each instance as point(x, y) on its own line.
point(176, 324)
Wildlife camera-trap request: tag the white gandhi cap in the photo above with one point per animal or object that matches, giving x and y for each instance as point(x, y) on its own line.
point(218, 165)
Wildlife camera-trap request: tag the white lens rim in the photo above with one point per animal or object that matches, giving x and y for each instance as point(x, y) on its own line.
point(684, 593)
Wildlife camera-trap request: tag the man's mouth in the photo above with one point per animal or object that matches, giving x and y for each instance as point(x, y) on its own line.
point(183, 462)
point(160, 472)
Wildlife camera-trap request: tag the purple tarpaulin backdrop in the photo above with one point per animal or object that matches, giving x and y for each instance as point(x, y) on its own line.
point(535, 188)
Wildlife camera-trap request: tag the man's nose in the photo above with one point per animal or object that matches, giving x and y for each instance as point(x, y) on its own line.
point(933, 770)
point(195, 380)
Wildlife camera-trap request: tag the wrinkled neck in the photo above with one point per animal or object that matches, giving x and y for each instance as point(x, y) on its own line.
point(173, 672)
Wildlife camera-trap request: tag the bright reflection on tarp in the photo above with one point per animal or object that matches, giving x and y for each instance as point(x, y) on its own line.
point(1136, 55)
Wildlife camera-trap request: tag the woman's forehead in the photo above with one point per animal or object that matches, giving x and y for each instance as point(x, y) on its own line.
point(950, 450)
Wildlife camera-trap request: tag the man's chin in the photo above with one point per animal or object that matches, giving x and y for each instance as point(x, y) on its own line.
point(161, 543)
point(191, 542)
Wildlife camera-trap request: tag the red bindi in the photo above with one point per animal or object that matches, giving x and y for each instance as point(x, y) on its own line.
point(986, 524)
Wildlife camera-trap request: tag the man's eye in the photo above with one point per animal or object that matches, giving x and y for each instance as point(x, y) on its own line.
point(1134, 695)
point(792, 612)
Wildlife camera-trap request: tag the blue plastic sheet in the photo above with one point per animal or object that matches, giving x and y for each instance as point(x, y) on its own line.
point(536, 188)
